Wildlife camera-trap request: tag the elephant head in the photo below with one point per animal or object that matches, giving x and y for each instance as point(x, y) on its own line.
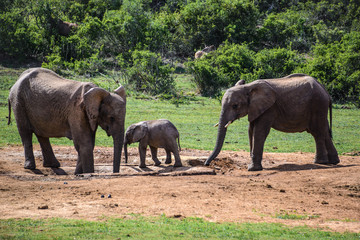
point(108, 111)
point(243, 99)
point(134, 133)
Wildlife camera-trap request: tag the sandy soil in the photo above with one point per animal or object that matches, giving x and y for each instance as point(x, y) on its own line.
point(290, 184)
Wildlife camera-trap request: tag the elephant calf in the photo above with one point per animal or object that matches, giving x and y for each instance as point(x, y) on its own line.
point(157, 134)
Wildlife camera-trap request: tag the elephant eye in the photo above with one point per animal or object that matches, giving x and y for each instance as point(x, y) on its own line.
point(112, 119)
point(235, 106)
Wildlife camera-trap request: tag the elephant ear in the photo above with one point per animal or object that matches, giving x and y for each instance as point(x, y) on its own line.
point(140, 131)
point(121, 92)
point(92, 100)
point(262, 96)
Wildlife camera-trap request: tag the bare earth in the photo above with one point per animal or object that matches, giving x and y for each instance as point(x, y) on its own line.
point(290, 184)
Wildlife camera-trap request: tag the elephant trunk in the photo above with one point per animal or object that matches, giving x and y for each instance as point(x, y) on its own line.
point(219, 142)
point(125, 151)
point(118, 144)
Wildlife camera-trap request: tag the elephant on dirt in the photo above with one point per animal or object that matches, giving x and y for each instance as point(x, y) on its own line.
point(50, 106)
point(157, 134)
point(295, 103)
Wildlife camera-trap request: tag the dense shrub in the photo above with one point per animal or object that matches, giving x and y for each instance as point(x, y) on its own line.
point(232, 62)
point(145, 72)
point(289, 28)
point(17, 35)
point(254, 38)
point(276, 63)
point(337, 66)
point(212, 22)
point(222, 68)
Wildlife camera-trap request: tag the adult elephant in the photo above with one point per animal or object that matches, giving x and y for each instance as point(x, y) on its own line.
point(295, 103)
point(50, 106)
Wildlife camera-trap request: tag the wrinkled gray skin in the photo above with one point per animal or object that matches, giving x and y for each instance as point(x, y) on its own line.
point(50, 106)
point(295, 103)
point(157, 134)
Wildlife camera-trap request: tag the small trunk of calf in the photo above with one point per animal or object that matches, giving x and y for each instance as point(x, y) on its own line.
point(219, 143)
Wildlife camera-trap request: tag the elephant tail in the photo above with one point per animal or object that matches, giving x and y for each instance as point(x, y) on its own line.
point(179, 144)
point(9, 118)
point(330, 110)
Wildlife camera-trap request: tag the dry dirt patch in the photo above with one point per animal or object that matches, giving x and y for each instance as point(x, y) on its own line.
point(326, 196)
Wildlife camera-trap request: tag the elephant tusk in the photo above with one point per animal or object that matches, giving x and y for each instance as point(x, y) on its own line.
point(230, 122)
point(216, 125)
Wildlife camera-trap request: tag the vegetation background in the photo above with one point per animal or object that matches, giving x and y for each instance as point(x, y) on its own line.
point(142, 42)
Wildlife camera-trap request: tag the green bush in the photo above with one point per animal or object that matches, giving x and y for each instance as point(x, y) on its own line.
point(276, 63)
point(222, 68)
point(231, 62)
point(213, 22)
point(147, 73)
point(17, 35)
point(337, 66)
point(290, 28)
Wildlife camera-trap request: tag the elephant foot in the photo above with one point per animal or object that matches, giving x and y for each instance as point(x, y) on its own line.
point(157, 163)
point(321, 160)
point(334, 159)
point(178, 164)
point(30, 164)
point(168, 161)
point(52, 164)
point(142, 166)
point(255, 167)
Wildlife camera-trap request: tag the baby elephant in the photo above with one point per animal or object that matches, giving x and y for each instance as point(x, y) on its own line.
point(157, 134)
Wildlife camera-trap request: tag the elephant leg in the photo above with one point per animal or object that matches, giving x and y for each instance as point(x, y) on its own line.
point(26, 139)
point(321, 155)
point(175, 150)
point(261, 130)
point(333, 156)
point(154, 156)
point(177, 158)
point(47, 152)
point(85, 148)
point(168, 156)
point(142, 152)
point(251, 130)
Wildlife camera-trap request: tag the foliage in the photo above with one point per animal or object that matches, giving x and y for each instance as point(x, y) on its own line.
point(232, 62)
point(145, 72)
point(337, 67)
point(276, 63)
point(304, 33)
point(290, 28)
point(211, 22)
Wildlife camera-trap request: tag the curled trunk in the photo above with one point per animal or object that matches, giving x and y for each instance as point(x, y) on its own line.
point(219, 143)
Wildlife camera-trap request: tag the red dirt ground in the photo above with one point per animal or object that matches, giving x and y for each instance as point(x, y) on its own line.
point(289, 184)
